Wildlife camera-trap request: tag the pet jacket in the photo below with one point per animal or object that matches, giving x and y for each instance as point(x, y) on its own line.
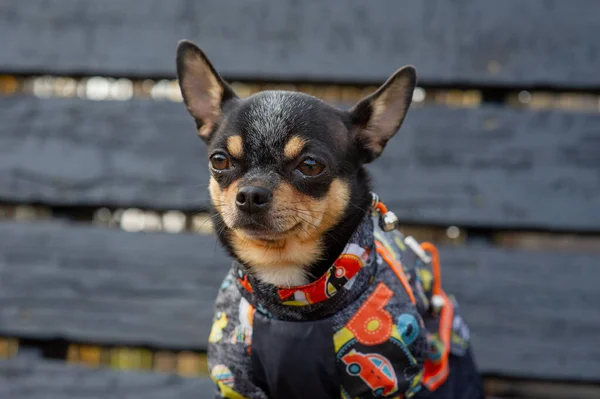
point(368, 328)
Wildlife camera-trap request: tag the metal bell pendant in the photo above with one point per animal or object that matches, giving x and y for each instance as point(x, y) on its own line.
point(388, 220)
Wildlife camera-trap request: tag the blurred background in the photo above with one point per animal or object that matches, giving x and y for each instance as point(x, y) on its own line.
point(108, 263)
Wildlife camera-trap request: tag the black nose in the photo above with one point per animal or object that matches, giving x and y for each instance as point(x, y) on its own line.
point(252, 199)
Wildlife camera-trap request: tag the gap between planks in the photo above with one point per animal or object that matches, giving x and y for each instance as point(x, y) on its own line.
point(194, 364)
point(112, 88)
point(174, 221)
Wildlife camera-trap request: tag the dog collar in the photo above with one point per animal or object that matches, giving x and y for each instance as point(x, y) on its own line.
point(343, 282)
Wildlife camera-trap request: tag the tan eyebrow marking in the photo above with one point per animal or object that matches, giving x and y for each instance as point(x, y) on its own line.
point(294, 147)
point(235, 146)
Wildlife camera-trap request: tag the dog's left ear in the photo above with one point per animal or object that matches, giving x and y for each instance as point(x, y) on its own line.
point(204, 91)
point(378, 117)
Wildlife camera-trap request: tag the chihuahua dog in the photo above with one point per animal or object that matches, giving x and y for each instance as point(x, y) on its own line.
point(325, 299)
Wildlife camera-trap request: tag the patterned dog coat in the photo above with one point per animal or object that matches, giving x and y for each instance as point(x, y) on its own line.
point(375, 325)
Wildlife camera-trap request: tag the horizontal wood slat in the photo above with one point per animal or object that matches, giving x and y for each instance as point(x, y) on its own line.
point(40, 379)
point(78, 152)
point(44, 379)
point(529, 312)
point(95, 284)
point(107, 286)
point(509, 42)
point(489, 167)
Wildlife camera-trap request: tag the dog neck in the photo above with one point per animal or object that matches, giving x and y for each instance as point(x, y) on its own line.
point(333, 242)
point(344, 279)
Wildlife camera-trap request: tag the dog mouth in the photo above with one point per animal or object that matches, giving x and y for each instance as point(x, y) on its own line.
point(254, 231)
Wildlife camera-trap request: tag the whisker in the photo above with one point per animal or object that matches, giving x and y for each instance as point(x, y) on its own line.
point(307, 221)
point(219, 231)
point(316, 228)
point(307, 212)
point(310, 235)
point(326, 217)
point(356, 206)
point(211, 218)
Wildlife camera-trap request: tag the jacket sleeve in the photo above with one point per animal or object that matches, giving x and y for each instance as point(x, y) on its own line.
point(230, 345)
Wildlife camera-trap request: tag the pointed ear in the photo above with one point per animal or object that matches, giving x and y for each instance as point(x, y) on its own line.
point(204, 91)
point(378, 117)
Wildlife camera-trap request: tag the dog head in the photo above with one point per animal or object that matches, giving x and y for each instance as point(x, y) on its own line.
point(287, 178)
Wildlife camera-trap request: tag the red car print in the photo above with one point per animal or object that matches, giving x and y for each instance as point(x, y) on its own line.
point(375, 370)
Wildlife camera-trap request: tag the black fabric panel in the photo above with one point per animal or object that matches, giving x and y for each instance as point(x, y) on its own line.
point(294, 360)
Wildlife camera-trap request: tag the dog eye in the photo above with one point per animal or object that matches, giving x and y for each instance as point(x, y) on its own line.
point(220, 162)
point(310, 167)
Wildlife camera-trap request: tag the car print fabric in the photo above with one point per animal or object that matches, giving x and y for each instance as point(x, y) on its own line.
point(365, 329)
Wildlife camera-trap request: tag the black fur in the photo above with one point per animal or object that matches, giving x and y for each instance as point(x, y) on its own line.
point(327, 131)
point(335, 138)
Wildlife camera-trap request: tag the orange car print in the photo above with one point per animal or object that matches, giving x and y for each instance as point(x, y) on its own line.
point(375, 370)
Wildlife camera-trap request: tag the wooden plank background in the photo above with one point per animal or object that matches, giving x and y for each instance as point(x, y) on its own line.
point(35, 379)
point(532, 313)
point(106, 286)
point(85, 283)
point(490, 166)
point(459, 42)
point(54, 380)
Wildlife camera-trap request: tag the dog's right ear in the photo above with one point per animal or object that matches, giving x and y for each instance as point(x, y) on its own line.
point(204, 91)
point(378, 117)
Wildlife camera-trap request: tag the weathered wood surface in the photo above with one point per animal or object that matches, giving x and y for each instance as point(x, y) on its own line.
point(43, 379)
point(31, 379)
point(489, 42)
point(69, 152)
point(100, 285)
point(531, 314)
point(490, 167)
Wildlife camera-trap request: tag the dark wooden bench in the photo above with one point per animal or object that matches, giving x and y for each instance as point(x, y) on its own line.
point(491, 170)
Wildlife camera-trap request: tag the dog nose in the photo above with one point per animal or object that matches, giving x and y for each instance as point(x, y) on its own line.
point(253, 199)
